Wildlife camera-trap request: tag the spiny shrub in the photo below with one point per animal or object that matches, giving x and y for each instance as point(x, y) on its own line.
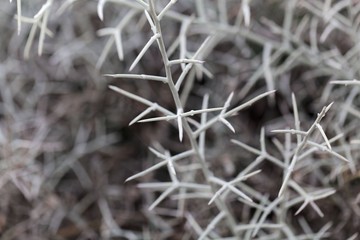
point(223, 73)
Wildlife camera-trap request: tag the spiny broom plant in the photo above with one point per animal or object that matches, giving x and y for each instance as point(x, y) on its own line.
point(298, 154)
point(213, 187)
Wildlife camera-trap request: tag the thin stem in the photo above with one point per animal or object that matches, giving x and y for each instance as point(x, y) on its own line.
point(188, 131)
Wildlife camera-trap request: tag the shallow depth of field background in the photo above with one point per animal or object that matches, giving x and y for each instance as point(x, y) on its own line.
point(66, 147)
